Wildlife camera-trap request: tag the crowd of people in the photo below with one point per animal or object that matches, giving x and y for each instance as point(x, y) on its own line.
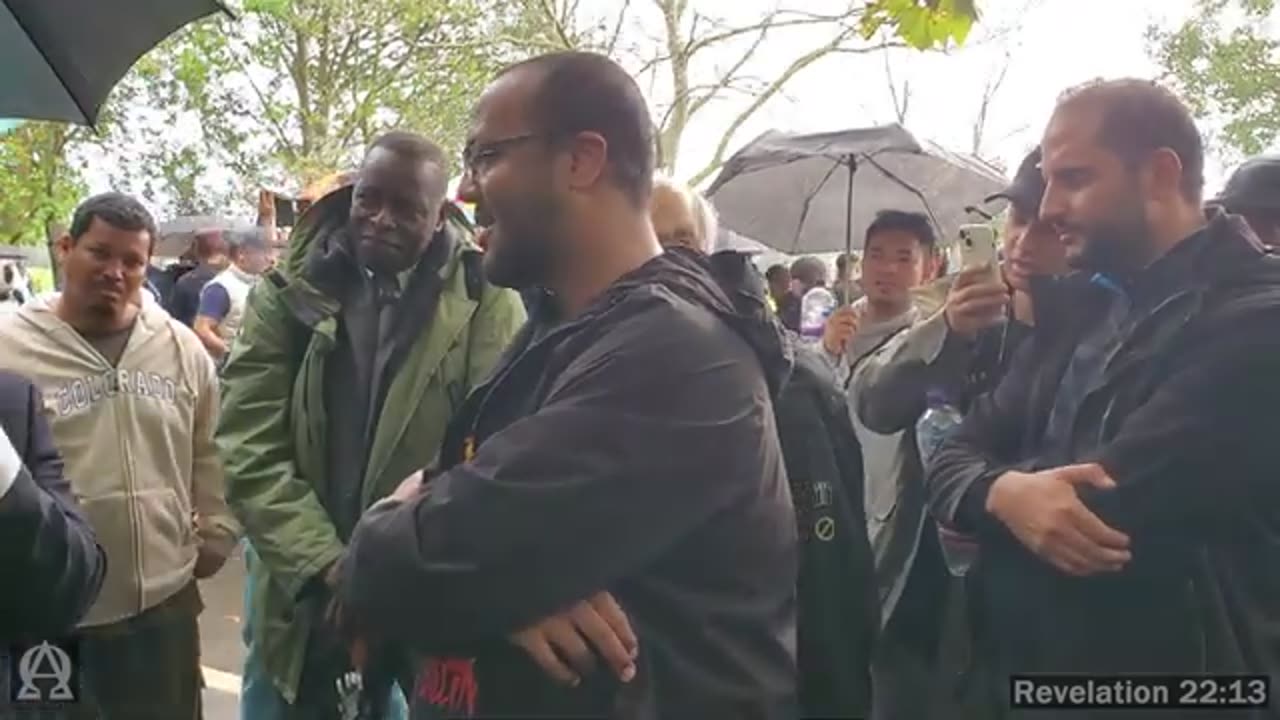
point(572, 461)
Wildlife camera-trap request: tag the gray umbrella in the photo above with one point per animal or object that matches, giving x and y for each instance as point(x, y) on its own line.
point(176, 234)
point(59, 59)
point(817, 193)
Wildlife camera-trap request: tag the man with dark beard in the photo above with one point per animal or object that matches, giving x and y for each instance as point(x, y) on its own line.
point(625, 445)
point(1121, 478)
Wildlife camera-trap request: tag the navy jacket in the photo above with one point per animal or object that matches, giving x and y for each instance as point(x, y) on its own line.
point(51, 565)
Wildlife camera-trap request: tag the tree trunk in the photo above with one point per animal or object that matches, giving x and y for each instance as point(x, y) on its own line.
point(52, 231)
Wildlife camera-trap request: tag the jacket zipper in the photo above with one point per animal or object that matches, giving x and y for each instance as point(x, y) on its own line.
point(126, 467)
point(130, 499)
point(501, 377)
point(1119, 351)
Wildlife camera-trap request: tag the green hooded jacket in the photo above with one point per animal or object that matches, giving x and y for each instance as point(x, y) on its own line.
point(272, 430)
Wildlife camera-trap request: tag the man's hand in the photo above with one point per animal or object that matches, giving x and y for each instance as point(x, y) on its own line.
point(975, 302)
point(840, 329)
point(597, 623)
point(335, 616)
point(409, 488)
point(1045, 513)
point(208, 563)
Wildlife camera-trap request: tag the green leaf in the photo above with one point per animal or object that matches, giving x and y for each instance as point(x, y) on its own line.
point(922, 24)
point(1228, 74)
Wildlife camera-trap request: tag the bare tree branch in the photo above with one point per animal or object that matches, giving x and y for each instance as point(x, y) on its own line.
point(772, 21)
point(731, 74)
point(612, 45)
point(901, 102)
point(776, 86)
point(989, 92)
point(282, 136)
point(557, 23)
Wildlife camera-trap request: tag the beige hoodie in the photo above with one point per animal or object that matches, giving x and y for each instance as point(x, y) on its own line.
point(137, 441)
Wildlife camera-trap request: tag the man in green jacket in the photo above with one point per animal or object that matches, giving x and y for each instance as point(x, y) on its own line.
point(351, 360)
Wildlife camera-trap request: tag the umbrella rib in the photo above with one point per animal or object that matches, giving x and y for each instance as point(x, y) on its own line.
point(748, 170)
point(56, 72)
point(808, 201)
point(911, 188)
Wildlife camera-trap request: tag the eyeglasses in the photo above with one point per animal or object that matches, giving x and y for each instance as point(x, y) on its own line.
point(478, 157)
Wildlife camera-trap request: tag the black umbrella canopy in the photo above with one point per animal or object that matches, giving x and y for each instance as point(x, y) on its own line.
point(59, 59)
point(791, 192)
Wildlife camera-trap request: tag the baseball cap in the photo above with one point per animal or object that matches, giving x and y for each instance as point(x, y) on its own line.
point(1027, 187)
point(1255, 185)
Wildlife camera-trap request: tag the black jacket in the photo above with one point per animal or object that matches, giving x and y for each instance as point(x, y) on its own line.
point(632, 450)
point(51, 566)
point(184, 300)
point(839, 609)
point(1184, 422)
point(838, 614)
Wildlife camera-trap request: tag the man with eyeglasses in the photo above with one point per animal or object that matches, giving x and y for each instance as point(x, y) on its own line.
point(620, 471)
point(352, 357)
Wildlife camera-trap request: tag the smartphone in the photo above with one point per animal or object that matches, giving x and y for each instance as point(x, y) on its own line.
point(979, 248)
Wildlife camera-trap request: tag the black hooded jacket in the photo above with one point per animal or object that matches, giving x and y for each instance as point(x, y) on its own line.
point(1183, 420)
point(632, 449)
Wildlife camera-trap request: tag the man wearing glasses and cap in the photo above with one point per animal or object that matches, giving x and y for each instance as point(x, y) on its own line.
point(1253, 191)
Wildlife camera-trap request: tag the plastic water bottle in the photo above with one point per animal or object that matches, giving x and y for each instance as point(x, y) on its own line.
point(937, 422)
point(815, 307)
point(935, 425)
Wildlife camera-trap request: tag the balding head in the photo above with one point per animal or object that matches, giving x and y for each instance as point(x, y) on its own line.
point(574, 92)
point(1137, 118)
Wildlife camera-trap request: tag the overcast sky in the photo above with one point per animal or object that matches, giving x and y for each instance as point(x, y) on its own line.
point(1048, 46)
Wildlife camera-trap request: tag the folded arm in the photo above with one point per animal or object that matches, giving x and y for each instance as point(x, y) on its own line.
point(1202, 451)
point(984, 446)
point(1196, 454)
point(606, 476)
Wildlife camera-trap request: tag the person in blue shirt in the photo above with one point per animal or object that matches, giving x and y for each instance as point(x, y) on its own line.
point(211, 252)
point(223, 299)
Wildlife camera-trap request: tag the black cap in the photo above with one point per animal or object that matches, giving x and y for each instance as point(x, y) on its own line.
point(1027, 187)
point(1255, 185)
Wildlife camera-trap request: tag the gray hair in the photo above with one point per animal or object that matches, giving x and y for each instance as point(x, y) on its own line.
point(705, 220)
point(254, 238)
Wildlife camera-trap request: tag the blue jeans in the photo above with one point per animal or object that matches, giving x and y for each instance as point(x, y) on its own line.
point(259, 698)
